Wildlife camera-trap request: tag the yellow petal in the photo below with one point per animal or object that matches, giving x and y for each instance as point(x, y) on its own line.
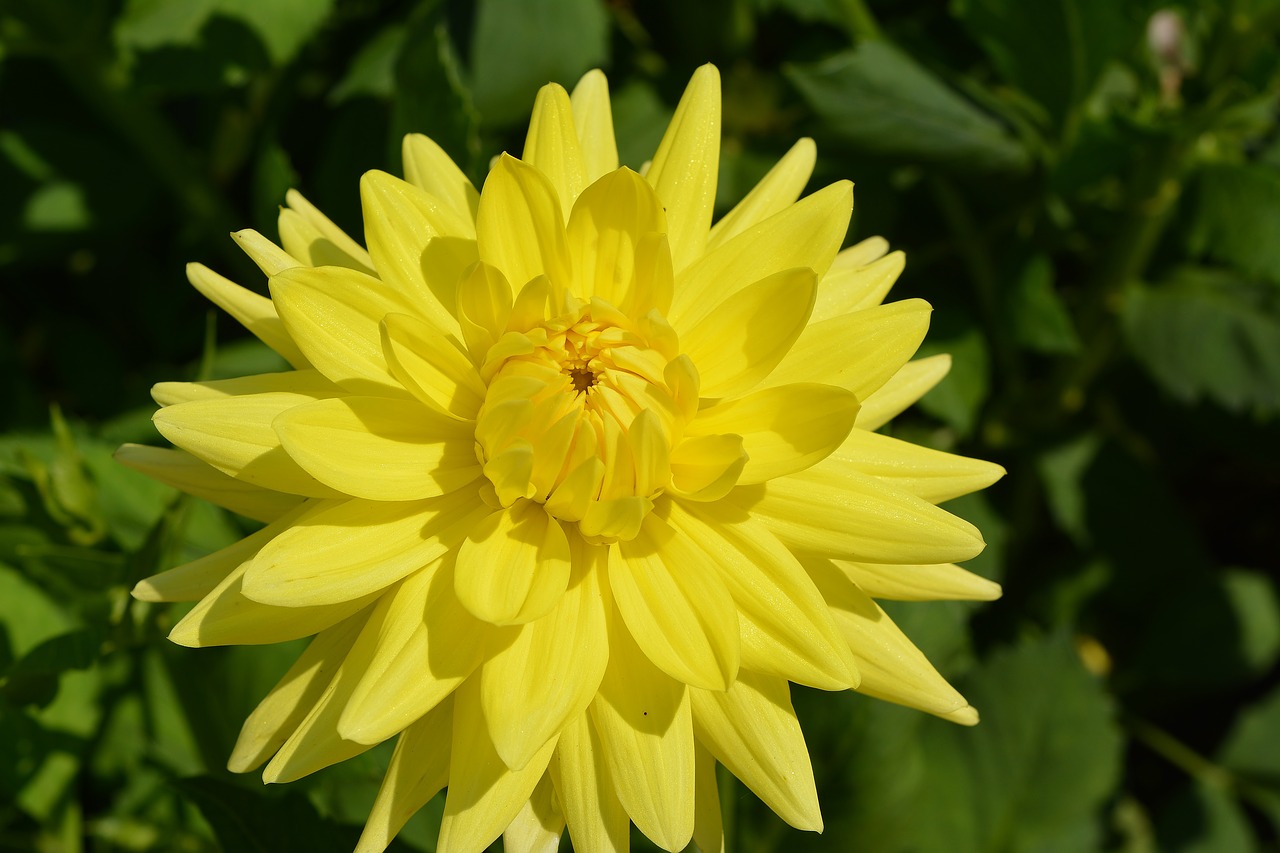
point(752, 730)
point(776, 190)
point(946, 582)
point(256, 313)
point(685, 168)
point(855, 517)
point(484, 308)
point(861, 254)
point(538, 826)
point(325, 243)
point(289, 702)
point(418, 771)
point(425, 646)
point(708, 830)
point(858, 351)
point(646, 734)
point(520, 226)
point(912, 381)
point(549, 673)
point(929, 474)
point(787, 629)
point(706, 468)
point(484, 794)
point(234, 435)
point(784, 429)
point(514, 566)
point(419, 244)
point(432, 366)
point(335, 314)
point(675, 605)
point(596, 820)
point(806, 234)
point(379, 448)
point(429, 168)
point(551, 145)
point(892, 667)
point(593, 119)
point(193, 581)
point(615, 242)
point(269, 257)
point(845, 289)
point(307, 385)
point(741, 340)
point(341, 550)
point(183, 471)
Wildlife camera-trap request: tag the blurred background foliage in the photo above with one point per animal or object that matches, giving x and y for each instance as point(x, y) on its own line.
point(1088, 192)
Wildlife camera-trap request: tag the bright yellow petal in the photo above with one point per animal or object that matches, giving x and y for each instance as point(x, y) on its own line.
point(806, 234)
point(708, 829)
point(306, 385)
point(520, 226)
point(845, 289)
point(269, 257)
point(946, 582)
point(675, 605)
point(787, 629)
point(646, 734)
point(326, 243)
point(861, 254)
point(418, 771)
point(855, 517)
point(593, 118)
point(514, 566)
point(549, 673)
point(429, 168)
point(379, 448)
point(892, 667)
point(596, 819)
point(858, 351)
point(685, 168)
point(752, 730)
point(784, 429)
point(484, 307)
point(484, 794)
point(776, 190)
point(256, 313)
point(551, 145)
point(538, 826)
point(342, 550)
point(912, 381)
point(289, 702)
point(434, 368)
point(931, 475)
point(706, 468)
point(741, 341)
point(183, 471)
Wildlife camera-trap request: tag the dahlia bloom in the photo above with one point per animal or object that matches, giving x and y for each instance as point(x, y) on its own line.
point(569, 483)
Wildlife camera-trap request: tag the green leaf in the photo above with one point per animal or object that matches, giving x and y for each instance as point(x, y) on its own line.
point(373, 70)
point(1252, 749)
point(283, 26)
point(957, 400)
point(1236, 215)
point(33, 678)
point(1204, 818)
point(1205, 333)
point(1062, 470)
point(520, 45)
point(1040, 321)
point(882, 100)
point(252, 821)
point(430, 96)
point(639, 119)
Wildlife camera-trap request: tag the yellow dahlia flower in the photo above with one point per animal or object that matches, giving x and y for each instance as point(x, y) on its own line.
point(569, 483)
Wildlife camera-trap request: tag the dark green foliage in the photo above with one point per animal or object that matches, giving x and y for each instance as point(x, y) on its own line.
point(1095, 218)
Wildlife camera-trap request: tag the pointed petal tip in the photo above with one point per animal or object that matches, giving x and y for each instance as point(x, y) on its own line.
point(144, 591)
point(966, 716)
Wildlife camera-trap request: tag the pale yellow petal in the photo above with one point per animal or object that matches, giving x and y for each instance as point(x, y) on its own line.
point(284, 708)
point(550, 672)
point(538, 826)
point(646, 733)
point(931, 475)
point(784, 429)
point(752, 729)
point(855, 517)
point(428, 167)
point(706, 468)
point(183, 471)
point(675, 606)
point(306, 384)
point(593, 118)
point(776, 190)
point(858, 351)
point(484, 308)
point(434, 368)
point(805, 234)
point(708, 828)
point(787, 629)
point(514, 566)
point(861, 254)
point(687, 163)
point(336, 551)
point(744, 338)
point(912, 381)
point(607, 235)
point(551, 145)
point(256, 313)
point(520, 226)
point(335, 314)
point(945, 582)
point(314, 239)
point(380, 448)
point(595, 817)
point(418, 771)
point(892, 667)
point(269, 257)
point(484, 794)
point(846, 289)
